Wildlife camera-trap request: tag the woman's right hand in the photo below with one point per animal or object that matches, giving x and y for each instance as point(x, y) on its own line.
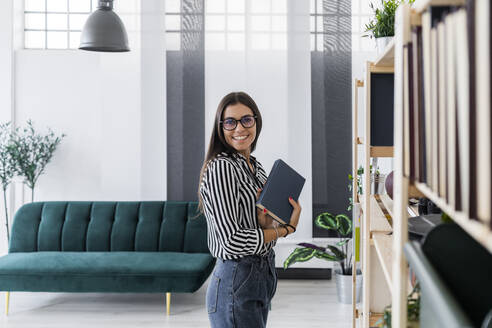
point(294, 218)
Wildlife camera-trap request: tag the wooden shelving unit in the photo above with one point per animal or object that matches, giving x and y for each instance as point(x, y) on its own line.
point(375, 223)
point(406, 18)
point(387, 240)
point(381, 151)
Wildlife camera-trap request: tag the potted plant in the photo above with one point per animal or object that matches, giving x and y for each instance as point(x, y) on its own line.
point(382, 25)
point(31, 152)
point(7, 167)
point(337, 253)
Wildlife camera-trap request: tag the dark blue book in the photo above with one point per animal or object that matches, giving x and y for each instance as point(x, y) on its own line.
point(283, 182)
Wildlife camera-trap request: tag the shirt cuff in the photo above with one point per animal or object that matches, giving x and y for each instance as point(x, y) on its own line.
point(261, 240)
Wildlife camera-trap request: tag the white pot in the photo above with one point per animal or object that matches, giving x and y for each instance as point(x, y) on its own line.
point(382, 42)
point(344, 287)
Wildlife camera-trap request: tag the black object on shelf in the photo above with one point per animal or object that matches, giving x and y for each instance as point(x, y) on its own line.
point(427, 206)
point(382, 101)
point(420, 226)
point(454, 272)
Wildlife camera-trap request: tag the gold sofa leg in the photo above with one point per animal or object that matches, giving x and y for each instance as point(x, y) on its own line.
point(7, 296)
point(168, 303)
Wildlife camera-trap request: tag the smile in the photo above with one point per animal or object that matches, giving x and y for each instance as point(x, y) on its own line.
point(239, 137)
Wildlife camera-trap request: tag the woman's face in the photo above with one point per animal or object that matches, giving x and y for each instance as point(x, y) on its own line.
point(240, 138)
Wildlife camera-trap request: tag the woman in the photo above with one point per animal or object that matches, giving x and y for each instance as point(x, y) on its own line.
point(240, 236)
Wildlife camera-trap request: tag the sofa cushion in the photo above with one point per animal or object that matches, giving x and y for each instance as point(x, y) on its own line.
point(104, 271)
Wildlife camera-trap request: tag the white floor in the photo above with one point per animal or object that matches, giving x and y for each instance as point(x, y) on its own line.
point(297, 303)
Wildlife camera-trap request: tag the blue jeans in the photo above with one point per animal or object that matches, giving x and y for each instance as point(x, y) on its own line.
point(240, 292)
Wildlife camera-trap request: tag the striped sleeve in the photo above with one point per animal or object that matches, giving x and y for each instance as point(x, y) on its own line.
point(224, 204)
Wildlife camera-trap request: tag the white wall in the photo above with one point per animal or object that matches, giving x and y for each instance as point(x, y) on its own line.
point(110, 105)
point(93, 98)
point(6, 89)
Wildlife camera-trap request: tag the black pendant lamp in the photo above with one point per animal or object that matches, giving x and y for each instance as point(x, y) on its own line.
point(104, 30)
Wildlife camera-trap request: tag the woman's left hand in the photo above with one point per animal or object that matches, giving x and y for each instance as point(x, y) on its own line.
point(264, 220)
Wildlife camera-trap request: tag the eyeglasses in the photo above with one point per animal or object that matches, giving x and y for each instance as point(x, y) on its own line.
point(230, 123)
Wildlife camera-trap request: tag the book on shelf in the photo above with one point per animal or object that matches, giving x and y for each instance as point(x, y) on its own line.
point(483, 15)
point(407, 121)
point(419, 70)
point(463, 93)
point(441, 110)
point(451, 112)
point(426, 48)
point(434, 180)
point(416, 100)
point(447, 106)
point(472, 110)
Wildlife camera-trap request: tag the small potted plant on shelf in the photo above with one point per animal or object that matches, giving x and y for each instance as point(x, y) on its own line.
point(382, 25)
point(337, 253)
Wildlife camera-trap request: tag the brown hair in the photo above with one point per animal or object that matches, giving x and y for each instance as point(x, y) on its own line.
point(218, 143)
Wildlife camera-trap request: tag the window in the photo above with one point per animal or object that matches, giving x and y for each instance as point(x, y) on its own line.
point(184, 25)
point(361, 14)
point(316, 25)
point(267, 24)
point(232, 24)
point(225, 25)
point(55, 24)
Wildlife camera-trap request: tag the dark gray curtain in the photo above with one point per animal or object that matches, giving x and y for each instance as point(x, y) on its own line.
point(186, 105)
point(331, 75)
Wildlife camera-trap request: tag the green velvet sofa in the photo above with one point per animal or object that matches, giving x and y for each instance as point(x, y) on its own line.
point(128, 247)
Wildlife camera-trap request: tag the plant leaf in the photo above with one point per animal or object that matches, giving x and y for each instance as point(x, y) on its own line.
point(339, 254)
point(299, 255)
point(344, 224)
point(308, 245)
point(343, 242)
point(326, 221)
point(326, 256)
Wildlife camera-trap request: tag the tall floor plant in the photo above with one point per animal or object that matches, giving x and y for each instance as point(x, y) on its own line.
point(32, 151)
point(7, 166)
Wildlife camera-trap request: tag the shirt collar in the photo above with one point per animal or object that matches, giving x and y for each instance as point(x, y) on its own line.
point(240, 156)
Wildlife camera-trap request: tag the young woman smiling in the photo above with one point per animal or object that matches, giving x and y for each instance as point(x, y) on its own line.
point(240, 236)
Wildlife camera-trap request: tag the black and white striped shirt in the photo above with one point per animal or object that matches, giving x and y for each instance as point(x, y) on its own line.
point(228, 191)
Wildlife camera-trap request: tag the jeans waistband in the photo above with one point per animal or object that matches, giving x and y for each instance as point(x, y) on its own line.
point(256, 258)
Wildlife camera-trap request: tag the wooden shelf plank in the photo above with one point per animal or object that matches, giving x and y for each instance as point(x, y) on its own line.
point(384, 248)
point(383, 243)
point(388, 203)
point(381, 151)
point(387, 58)
point(477, 229)
point(420, 5)
point(378, 221)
